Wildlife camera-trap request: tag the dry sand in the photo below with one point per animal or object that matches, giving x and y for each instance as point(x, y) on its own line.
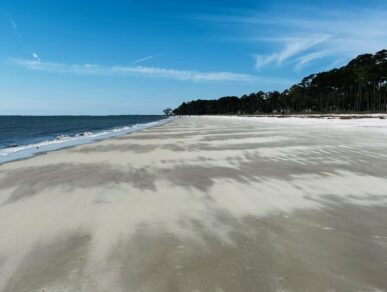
point(201, 204)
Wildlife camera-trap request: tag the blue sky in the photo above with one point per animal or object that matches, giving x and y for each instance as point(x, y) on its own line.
point(127, 57)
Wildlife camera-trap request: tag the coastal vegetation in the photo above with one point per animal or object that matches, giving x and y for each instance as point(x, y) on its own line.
point(360, 86)
point(168, 111)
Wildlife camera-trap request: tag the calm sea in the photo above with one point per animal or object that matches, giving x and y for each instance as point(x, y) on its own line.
point(25, 136)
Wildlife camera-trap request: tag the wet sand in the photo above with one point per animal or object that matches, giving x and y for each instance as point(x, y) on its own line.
point(201, 204)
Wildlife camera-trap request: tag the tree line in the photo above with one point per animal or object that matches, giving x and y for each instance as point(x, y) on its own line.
point(359, 86)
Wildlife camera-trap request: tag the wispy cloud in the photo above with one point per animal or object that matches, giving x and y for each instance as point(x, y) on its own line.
point(14, 26)
point(291, 48)
point(36, 56)
point(145, 59)
point(92, 69)
point(298, 36)
point(306, 58)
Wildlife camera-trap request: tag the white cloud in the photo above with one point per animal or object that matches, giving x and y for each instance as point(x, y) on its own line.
point(305, 59)
point(299, 35)
point(263, 60)
point(92, 69)
point(292, 48)
point(297, 46)
point(145, 59)
point(35, 56)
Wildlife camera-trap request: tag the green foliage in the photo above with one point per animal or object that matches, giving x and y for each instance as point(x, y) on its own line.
point(168, 111)
point(361, 85)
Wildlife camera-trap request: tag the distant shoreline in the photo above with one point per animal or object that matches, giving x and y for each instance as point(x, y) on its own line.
point(304, 115)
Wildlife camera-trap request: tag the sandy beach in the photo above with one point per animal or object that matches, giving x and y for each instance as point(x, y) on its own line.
point(202, 204)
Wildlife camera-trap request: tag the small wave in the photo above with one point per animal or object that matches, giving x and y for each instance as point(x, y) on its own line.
point(62, 137)
point(15, 152)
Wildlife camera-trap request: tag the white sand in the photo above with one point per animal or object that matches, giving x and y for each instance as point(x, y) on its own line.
point(189, 205)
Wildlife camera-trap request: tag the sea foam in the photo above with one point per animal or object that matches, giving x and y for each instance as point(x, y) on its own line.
point(16, 152)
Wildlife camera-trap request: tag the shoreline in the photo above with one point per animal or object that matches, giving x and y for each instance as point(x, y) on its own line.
point(262, 118)
point(33, 150)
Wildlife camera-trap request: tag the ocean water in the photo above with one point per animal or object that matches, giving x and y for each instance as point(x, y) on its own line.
point(26, 136)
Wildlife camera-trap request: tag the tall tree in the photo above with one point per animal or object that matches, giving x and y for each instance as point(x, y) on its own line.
point(361, 85)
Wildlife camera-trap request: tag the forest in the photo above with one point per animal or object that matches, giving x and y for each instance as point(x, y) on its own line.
point(360, 86)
